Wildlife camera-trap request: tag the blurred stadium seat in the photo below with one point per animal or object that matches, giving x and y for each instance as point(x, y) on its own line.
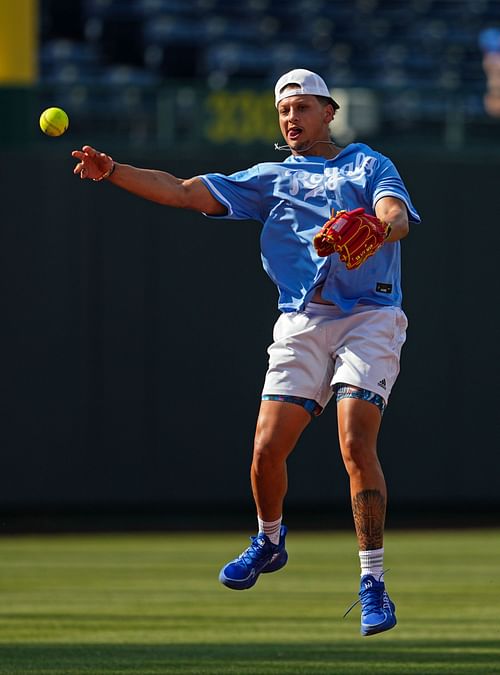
point(388, 45)
point(220, 32)
point(64, 60)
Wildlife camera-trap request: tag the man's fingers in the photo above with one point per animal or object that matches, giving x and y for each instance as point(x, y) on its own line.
point(85, 153)
point(78, 154)
point(89, 158)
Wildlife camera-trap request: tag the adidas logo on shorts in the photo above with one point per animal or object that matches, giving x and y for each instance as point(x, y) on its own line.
point(382, 383)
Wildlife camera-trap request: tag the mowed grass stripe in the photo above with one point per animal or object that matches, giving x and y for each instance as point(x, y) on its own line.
point(151, 603)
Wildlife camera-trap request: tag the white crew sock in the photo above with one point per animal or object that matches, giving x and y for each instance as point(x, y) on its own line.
point(271, 529)
point(372, 562)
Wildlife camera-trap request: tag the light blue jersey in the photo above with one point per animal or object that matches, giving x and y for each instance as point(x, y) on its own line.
point(293, 199)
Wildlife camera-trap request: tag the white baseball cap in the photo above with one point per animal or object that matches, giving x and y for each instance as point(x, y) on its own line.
point(306, 82)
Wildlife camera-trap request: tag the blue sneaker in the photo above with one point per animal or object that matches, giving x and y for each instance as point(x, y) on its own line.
point(377, 609)
point(261, 557)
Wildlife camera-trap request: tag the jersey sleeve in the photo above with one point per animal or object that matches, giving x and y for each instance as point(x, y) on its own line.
point(239, 192)
point(386, 182)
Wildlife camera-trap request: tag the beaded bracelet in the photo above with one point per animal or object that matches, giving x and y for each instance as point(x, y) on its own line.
point(107, 174)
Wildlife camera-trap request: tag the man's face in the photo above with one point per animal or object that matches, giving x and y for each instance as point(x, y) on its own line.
point(303, 120)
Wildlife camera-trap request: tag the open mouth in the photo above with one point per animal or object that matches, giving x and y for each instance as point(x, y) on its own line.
point(294, 133)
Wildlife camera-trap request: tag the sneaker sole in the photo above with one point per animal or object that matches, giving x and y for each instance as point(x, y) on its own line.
point(245, 584)
point(381, 628)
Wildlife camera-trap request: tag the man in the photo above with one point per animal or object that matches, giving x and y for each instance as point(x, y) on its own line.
point(340, 331)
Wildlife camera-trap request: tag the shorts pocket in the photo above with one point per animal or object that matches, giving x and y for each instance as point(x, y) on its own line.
point(279, 329)
point(400, 326)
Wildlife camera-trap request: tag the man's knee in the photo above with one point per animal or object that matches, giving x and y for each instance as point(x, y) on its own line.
point(358, 453)
point(267, 451)
point(279, 426)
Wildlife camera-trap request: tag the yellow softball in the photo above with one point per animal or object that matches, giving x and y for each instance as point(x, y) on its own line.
point(54, 121)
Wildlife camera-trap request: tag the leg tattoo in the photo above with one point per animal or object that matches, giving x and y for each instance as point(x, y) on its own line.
point(368, 508)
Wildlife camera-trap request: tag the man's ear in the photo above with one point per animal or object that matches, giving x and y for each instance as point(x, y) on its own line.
point(329, 113)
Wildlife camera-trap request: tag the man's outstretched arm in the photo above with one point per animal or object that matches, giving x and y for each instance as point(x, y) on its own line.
point(151, 184)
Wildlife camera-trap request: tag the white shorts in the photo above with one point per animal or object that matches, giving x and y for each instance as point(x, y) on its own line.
point(321, 346)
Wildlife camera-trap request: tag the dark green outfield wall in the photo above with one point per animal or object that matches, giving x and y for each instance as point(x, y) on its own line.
point(121, 384)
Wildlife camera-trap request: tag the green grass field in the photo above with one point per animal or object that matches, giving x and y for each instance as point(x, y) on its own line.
point(152, 604)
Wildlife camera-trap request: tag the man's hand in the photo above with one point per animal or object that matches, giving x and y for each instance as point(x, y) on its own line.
point(92, 164)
